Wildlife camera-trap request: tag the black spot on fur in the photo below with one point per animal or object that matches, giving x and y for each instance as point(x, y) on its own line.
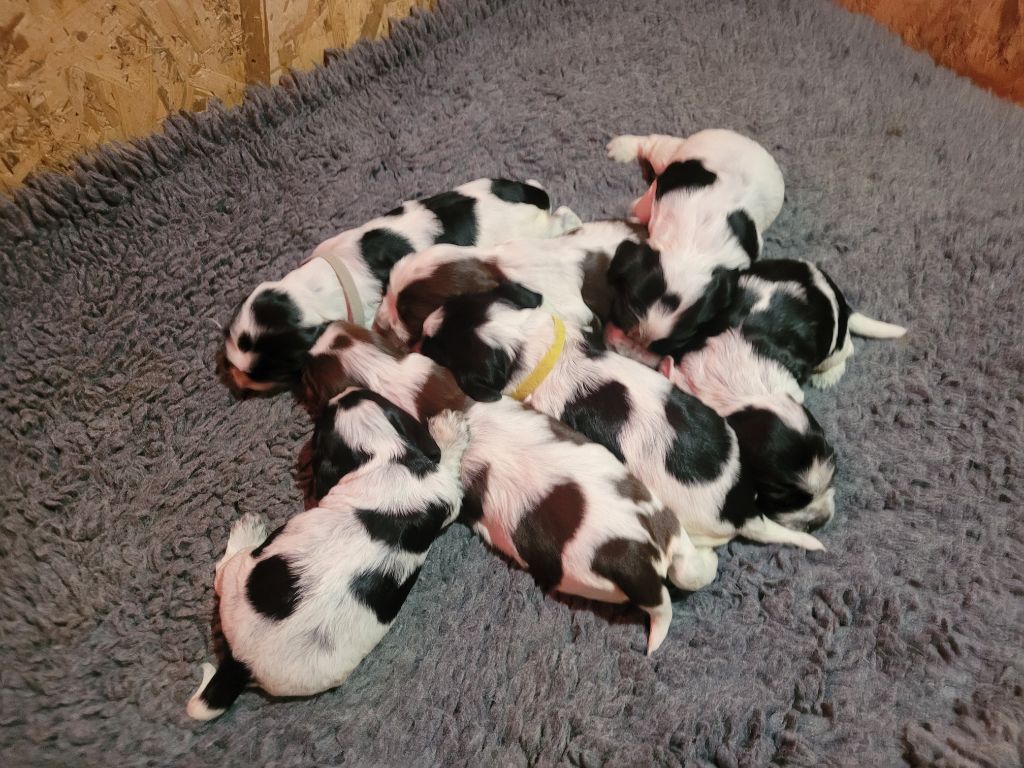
point(776, 456)
point(422, 452)
point(543, 532)
point(629, 565)
point(412, 532)
point(794, 332)
point(600, 415)
point(382, 593)
point(396, 211)
point(272, 588)
point(245, 341)
point(743, 228)
point(267, 542)
point(332, 457)
point(842, 322)
point(687, 175)
point(519, 192)
point(381, 249)
point(457, 214)
point(739, 505)
point(702, 443)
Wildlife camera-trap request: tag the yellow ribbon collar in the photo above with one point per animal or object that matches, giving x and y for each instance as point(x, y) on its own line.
point(546, 364)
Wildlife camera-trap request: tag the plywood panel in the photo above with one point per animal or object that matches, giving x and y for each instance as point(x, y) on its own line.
point(982, 39)
point(77, 73)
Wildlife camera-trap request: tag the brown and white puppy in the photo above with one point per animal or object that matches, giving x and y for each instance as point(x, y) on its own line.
point(713, 195)
point(560, 506)
point(301, 607)
point(268, 337)
point(570, 271)
point(678, 447)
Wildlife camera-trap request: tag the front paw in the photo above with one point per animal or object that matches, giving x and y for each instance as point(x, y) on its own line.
point(450, 430)
point(624, 149)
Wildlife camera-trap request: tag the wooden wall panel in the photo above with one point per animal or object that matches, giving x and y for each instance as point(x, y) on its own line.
point(77, 73)
point(982, 39)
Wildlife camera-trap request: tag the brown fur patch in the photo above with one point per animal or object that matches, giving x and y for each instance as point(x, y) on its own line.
point(594, 290)
point(629, 565)
point(420, 298)
point(439, 393)
point(631, 488)
point(323, 378)
point(663, 526)
point(566, 434)
point(544, 531)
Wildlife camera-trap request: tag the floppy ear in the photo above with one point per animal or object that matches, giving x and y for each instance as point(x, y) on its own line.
point(322, 378)
point(719, 296)
point(422, 453)
point(626, 255)
point(332, 458)
point(518, 295)
point(487, 377)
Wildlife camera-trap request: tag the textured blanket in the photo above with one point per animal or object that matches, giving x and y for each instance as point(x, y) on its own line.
point(124, 461)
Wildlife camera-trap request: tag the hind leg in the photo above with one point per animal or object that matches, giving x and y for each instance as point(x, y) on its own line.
point(661, 620)
point(766, 531)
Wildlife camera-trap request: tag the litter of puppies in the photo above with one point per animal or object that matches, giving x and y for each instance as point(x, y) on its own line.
point(604, 403)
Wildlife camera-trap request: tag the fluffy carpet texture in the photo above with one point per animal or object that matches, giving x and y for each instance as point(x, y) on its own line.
point(125, 461)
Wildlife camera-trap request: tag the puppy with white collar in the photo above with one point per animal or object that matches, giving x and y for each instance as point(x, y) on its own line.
point(713, 195)
point(558, 505)
point(269, 336)
point(570, 271)
point(300, 608)
point(498, 343)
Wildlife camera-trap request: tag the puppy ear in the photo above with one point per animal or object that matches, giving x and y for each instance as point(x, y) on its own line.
point(626, 256)
point(719, 296)
point(486, 377)
point(518, 295)
point(665, 366)
point(331, 457)
point(322, 378)
point(422, 453)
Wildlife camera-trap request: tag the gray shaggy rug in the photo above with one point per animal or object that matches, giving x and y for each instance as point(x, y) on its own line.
point(125, 461)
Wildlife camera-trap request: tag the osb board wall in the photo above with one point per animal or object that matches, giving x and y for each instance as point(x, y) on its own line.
point(983, 39)
point(77, 73)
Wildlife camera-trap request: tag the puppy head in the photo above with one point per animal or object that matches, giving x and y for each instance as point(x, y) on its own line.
point(420, 284)
point(663, 320)
point(267, 342)
point(465, 337)
point(359, 426)
point(340, 359)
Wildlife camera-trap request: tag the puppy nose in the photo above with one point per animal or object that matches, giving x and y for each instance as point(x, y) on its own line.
point(239, 378)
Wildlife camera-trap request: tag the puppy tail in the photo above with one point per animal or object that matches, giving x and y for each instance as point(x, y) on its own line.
point(219, 688)
point(862, 325)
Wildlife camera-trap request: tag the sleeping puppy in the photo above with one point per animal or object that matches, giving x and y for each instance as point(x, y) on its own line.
point(497, 343)
point(300, 608)
point(789, 311)
point(558, 505)
point(783, 447)
point(570, 271)
point(712, 196)
point(269, 336)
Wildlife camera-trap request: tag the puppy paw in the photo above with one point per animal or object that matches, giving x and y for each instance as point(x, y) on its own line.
point(624, 149)
point(451, 431)
point(250, 530)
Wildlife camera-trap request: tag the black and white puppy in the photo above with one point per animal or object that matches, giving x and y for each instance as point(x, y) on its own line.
point(682, 450)
point(302, 607)
point(570, 271)
point(789, 311)
point(713, 195)
point(560, 506)
point(269, 336)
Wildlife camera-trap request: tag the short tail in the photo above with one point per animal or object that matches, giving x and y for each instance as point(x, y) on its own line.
point(862, 325)
point(219, 688)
